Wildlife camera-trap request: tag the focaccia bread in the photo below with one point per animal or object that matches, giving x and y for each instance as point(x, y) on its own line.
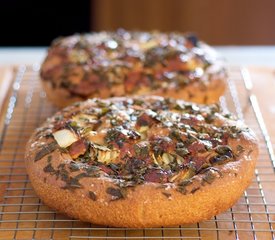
point(121, 63)
point(141, 162)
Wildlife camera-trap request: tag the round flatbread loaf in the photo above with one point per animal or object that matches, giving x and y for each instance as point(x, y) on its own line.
point(121, 63)
point(141, 162)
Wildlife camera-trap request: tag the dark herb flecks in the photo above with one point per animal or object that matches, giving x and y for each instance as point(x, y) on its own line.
point(168, 195)
point(240, 150)
point(146, 143)
point(74, 167)
point(92, 195)
point(182, 186)
point(194, 190)
point(116, 193)
point(49, 168)
point(49, 158)
point(209, 177)
point(45, 151)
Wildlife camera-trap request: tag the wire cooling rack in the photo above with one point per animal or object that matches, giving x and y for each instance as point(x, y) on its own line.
point(24, 216)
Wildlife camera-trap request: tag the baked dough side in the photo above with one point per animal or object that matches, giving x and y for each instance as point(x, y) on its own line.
point(196, 92)
point(148, 204)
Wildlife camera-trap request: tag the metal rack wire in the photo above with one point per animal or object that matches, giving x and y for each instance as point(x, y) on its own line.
point(24, 216)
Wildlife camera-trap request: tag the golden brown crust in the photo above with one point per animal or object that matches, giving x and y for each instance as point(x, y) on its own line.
point(174, 65)
point(194, 93)
point(149, 204)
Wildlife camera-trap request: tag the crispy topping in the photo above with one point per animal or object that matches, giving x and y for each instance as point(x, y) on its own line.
point(85, 64)
point(77, 148)
point(156, 140)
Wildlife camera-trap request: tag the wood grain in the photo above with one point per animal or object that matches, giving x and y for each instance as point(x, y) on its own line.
point(6, 77)
point(218, 22)
point(263, 79)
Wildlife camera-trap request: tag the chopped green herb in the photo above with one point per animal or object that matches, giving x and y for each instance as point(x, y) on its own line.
point(49, 168)
point(73, 183)
point(49, 158)
point(168, 195)
point(116, 193)
point(141, 150)
point(181, 149)
point(240, 150)
point(92, 195)
point(74, 167)
point(209, 177)
point(195, 189)
point(45, 151)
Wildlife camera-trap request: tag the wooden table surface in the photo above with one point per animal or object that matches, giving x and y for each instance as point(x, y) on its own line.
point(6, 77)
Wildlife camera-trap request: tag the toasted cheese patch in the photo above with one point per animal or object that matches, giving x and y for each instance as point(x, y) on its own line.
point(65, 138)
